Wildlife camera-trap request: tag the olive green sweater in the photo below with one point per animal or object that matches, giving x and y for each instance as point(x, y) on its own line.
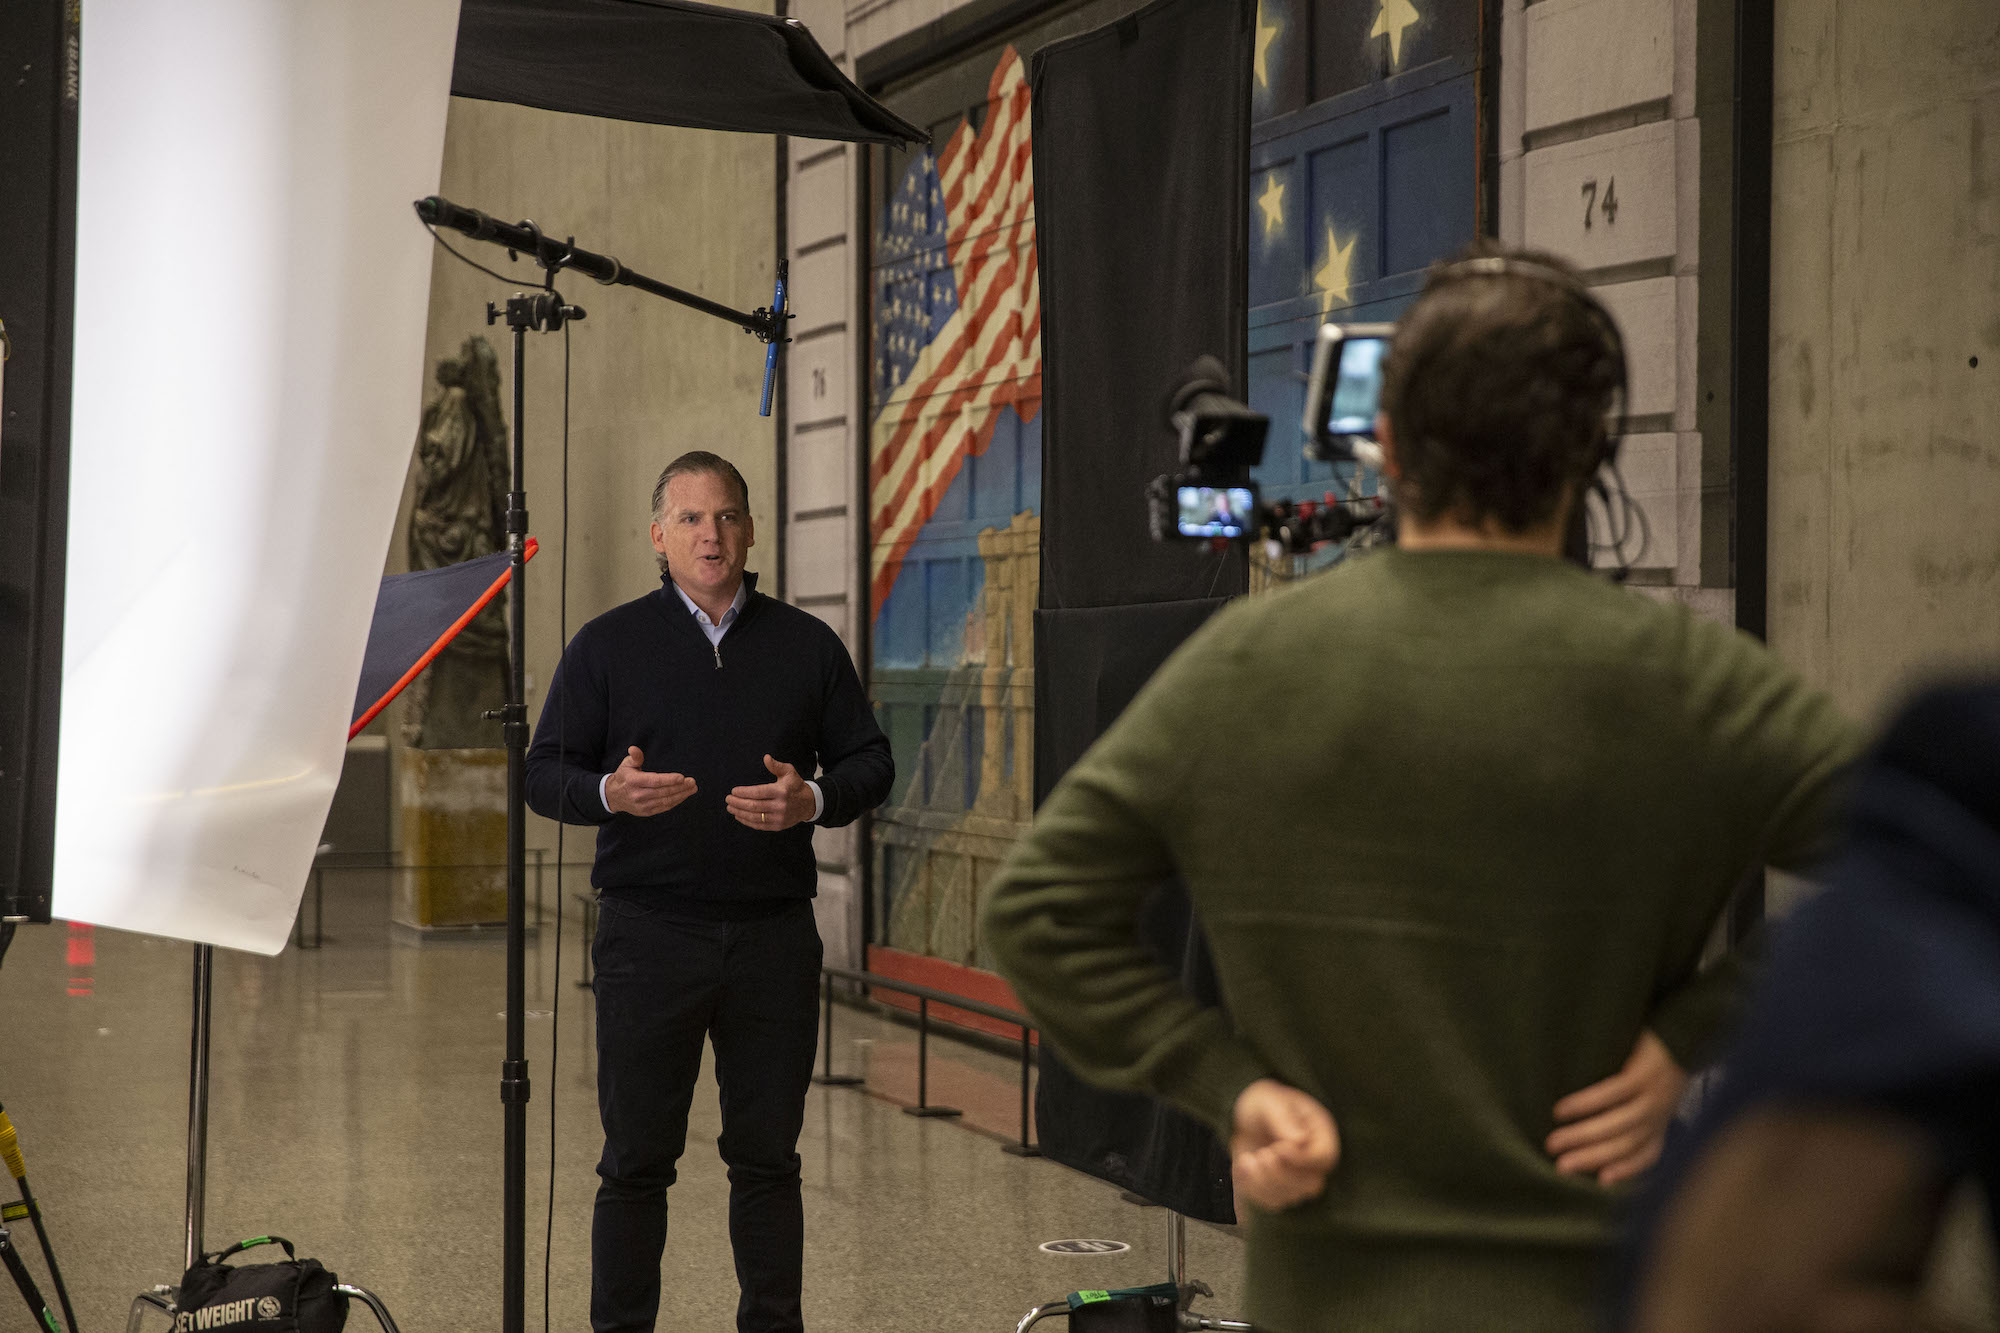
point(1458, 825)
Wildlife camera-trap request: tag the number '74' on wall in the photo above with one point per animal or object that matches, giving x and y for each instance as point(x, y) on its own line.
point(1607, 206)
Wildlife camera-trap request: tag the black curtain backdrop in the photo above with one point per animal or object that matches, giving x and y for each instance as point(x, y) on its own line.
point(37, 303)
point(1142, 177)
point(668, 62)
point(1104, 655)
point(1141, 156)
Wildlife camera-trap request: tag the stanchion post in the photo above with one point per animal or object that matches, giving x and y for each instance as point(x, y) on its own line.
point(923, 1106)
point(1025, 1148)
point(826, 1077)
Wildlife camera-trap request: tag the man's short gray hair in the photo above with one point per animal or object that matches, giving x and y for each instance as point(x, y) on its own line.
point(692, 462)
point(695, 461)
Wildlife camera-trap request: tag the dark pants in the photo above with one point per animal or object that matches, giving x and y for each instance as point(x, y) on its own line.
point(664, 983)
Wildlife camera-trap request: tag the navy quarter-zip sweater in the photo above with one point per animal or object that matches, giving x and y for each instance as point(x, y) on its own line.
point(780, 683)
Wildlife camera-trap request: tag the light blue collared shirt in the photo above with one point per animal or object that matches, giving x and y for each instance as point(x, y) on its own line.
point(714, 630)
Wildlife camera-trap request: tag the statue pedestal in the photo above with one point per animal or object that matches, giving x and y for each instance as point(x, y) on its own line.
point(452, 805)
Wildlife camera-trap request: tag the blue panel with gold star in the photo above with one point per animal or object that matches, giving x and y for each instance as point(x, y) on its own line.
point(1281, 58)
point(1354, 193)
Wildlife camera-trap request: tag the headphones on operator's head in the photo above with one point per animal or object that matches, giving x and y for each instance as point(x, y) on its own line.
point(1502, 266)
point(1622, 514)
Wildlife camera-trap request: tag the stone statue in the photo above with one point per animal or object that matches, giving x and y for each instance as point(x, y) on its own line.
point(460, 514)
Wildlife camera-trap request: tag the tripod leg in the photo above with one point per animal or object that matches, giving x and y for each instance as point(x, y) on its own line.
point(372, 1301)
point(159, 1300)
point(1041, 1312)
point(48, 1253)
point(44, 1317)
point(10, 1153)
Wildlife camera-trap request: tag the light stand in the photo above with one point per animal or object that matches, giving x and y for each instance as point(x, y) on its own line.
point(163, 1299)
point(545, 312)
point(198, 1047)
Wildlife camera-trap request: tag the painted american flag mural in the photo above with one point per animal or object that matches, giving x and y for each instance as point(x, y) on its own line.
point(957, 319)
point(955, 454)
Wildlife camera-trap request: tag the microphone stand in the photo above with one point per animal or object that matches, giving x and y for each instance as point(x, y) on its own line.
point(520, 238)
point(546, 312)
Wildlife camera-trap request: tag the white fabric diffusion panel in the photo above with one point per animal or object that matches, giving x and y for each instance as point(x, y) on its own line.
point(251, 294)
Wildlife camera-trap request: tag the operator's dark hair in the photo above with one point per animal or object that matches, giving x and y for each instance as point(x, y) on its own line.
point(1497, 386)
point(692, 462)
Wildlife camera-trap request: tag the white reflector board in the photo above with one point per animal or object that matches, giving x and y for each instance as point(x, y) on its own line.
point(252, 287)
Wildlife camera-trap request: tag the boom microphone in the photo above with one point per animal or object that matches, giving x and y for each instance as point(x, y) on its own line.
point(778, 318)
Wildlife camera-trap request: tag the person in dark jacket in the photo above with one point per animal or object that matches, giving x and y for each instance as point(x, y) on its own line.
point(705, 729)
point(1866, 1083)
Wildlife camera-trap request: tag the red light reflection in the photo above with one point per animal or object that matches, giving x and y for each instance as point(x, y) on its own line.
point(82, 954)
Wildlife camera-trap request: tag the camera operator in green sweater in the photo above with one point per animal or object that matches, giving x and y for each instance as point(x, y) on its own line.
point(1459, 871)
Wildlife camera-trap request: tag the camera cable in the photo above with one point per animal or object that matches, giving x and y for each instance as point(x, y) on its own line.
point(562, 744)
point(512, 282)
point(1623, 517)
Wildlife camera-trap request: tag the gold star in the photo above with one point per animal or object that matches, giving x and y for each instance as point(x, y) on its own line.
point(1272, 201)
point(1396, 15)
point(1265, 36)
point(1334, 275)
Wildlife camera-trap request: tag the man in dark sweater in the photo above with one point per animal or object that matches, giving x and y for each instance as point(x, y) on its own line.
point(1814, 1189)
point(1458, 873)
point(684, 725)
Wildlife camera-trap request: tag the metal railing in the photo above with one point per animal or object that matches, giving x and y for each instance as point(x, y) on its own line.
point(1024, 1147)
point(924, 996)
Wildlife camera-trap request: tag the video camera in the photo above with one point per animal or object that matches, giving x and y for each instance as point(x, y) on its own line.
point(1344, 393)
point(1212, 497)
point(1221, 439)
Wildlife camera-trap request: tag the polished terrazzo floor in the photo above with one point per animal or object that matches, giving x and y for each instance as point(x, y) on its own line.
point(356, 1110)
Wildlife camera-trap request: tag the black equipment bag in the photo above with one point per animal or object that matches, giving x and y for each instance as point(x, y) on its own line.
point(295, 1296)
point(1154, 1309)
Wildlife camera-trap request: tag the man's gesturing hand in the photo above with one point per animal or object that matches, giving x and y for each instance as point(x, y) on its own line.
point(1616, 1128)
point(630, 790)
point(1281, 1146)
point(774, 805)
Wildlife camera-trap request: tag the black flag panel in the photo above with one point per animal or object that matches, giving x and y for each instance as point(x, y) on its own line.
point(1142, 153)
point(668, 62)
